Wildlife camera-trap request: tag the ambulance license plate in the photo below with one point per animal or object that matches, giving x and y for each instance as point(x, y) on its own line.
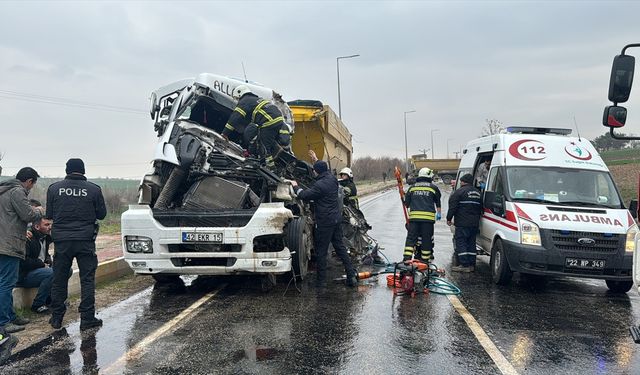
point(593, 264)
point(202, 237)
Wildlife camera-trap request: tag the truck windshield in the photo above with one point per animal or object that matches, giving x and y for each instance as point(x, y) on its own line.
point(572, 187)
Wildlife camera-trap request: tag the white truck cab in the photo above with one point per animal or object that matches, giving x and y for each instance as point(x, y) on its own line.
point(550, 207)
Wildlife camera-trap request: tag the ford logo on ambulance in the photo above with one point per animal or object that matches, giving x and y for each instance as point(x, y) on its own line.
point(586, 241)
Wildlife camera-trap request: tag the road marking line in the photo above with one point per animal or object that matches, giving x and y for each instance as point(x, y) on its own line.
point(496, 355)
point(170, 326)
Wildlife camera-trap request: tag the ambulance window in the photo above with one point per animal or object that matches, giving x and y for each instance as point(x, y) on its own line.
point(495, 181)
point(461, 173)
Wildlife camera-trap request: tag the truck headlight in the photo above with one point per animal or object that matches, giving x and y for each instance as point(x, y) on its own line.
point(631, 238)
point(529, 233)
point(139, 244)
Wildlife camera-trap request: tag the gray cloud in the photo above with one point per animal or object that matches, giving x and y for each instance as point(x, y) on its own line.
point(455, 63)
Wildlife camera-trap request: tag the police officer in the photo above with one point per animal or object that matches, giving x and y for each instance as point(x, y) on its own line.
point(465, 207)
point(349, 188)
point(423, 201)
point(253, 109)
point(74, 204)
point(324, 194)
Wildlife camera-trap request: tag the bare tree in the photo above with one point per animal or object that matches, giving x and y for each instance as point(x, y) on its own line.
point(1, 157)
point(492, 127)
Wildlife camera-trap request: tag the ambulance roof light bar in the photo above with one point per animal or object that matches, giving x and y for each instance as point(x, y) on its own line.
point(532, 130)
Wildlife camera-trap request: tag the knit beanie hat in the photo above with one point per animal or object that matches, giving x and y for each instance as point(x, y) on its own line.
point(75, 165)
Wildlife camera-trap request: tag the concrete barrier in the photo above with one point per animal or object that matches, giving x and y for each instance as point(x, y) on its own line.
point(108, 270)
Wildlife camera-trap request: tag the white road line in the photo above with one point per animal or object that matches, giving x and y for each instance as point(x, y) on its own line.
point(503, 364)
point(137, 350)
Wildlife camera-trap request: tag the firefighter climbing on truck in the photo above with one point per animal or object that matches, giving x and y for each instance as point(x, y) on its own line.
point(251, 109)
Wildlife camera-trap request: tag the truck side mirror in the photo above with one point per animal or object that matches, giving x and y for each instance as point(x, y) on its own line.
point(633, 208)
point(621, 78)
point(614, 116)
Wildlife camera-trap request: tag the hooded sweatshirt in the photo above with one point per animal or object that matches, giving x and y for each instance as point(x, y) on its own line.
point(15, 214)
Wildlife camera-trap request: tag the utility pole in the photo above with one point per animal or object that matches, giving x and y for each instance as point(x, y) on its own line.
point(406, 152)
point(338, 69)
point(432, 131)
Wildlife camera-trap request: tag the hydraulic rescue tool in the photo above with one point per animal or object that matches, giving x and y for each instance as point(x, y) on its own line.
point(401, 190)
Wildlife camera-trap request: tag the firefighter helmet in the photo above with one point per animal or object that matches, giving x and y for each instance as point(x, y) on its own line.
point(239, 91)
point(426, 173)
point(347, 171)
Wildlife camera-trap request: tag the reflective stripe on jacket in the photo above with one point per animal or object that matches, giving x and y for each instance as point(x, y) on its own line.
point(252, 109)
point(422, 199)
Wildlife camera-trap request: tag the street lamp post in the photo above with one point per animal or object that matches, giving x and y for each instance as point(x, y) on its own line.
point(406, 152)
point(432, 131)
point(338, 69)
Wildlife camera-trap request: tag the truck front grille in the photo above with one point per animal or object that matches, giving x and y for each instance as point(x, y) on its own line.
point(568, 241)
point(204, 248)
point(203, 262)
point(203, 218)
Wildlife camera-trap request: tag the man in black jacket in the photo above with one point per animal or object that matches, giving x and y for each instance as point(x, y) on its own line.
point(35, 268)
point(465, 208)
point(324, 194)
point(253, 109)
point(75, 205)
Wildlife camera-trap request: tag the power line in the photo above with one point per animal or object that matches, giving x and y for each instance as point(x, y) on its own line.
point(36, 98)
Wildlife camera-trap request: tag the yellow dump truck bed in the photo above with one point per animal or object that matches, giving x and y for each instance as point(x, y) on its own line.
point(318, 128)
point(437, 164)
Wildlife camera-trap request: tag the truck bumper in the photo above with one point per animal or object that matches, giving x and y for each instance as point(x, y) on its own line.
point(234, 255)
point(538, 260)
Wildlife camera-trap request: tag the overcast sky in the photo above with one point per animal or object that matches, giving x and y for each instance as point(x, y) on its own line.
point(455, 63)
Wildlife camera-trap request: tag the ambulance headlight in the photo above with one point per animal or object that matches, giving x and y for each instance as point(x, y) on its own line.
point(139, 244)
point(630, 245)
point(529, 233)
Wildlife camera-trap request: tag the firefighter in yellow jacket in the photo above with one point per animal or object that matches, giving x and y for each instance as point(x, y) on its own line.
point(423, 201)
point(253, 109)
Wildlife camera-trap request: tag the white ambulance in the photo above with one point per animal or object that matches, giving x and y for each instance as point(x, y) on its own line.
point(550, 208)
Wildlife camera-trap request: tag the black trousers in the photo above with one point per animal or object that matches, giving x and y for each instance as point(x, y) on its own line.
point(424, 230)
point(268, 137)
point(323, 236)
point(85, 254)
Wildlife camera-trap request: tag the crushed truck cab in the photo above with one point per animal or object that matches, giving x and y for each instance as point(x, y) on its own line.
point(550, 207)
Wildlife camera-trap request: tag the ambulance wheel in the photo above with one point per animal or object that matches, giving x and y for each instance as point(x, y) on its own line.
point(500, 270)
point(619, 286)
point(297, 239)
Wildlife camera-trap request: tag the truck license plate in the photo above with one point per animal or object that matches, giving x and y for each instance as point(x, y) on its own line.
point(202, 237)
point(594, 264)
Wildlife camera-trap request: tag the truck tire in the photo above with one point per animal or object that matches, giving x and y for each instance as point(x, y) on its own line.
point(297, 240)
point(500, 271)
point(162, 278)
point(446, 179)
point(616, 286)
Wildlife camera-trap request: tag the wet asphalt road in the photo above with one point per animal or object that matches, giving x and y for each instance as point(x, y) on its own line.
point(566, 326)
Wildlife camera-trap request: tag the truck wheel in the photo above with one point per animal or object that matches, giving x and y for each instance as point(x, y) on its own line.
point(166, 279)
point(297, 236)
point(619, 286)
point(446, 179)
point(500, 270)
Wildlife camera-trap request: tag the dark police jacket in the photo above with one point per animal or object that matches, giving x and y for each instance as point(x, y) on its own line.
point(74, 204)
point(422, 198)
point(465, 207)
point(324, 193)
point(252, 109)
point(33, 248)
